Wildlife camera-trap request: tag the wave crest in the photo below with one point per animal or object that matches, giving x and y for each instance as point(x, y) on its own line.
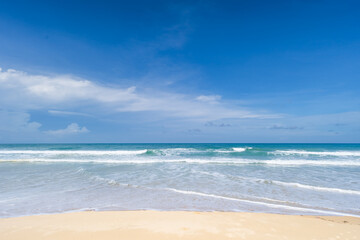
point(75, 152)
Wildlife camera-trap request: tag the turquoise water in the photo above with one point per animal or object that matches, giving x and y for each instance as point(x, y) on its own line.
point(318, 179)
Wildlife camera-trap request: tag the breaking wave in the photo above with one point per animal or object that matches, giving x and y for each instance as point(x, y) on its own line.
point(75, 152)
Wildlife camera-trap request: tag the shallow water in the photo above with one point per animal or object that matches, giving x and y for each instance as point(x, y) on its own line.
point(321, 179)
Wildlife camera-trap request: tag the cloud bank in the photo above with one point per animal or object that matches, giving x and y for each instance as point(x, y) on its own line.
point(131, 113)
point(66, 93)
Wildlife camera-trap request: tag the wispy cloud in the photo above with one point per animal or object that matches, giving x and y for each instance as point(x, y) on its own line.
point(277, 126)
point(28, 91)
point(67, 113)
point(214, 124)
point(72, 128)
point(194, 131)
point(212, 99)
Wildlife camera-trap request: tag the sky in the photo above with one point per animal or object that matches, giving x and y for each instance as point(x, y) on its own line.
point(179, 71)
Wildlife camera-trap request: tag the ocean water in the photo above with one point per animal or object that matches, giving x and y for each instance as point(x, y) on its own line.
point(317, 179)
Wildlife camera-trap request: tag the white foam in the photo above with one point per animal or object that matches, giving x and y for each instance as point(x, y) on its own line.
point(106, 180)
point(99, 161)
point(316, 188)
point(165, 151)
point(287, 184)
point(194, 161)
point(311, 162)
point(75, 152)
point(177, 151)
point(260, 203)
point(241, 149)
point(275, 162)
point(238, 149)
point(301, 152)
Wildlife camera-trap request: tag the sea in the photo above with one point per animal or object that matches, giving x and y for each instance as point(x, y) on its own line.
point(312, 179)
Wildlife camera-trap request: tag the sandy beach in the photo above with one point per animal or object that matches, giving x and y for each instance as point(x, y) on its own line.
point(178, 225)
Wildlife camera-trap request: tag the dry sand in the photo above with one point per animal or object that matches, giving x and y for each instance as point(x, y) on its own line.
point(158, 225)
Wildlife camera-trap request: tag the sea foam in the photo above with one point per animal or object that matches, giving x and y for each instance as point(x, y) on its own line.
point(325, 153)
point(272, 205)
point(280, 178)
point(75, 152)
point(278, 162)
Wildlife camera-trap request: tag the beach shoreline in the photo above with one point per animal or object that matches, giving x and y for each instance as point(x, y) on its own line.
point(149, 224)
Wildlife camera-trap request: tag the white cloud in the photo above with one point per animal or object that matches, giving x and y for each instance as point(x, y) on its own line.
point(20, 90)
point(60, 89)
point(209, 99)
point(11, 121)
point(72, 128)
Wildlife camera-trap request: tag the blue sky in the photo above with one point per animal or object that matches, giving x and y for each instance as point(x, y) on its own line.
point(179, 71)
